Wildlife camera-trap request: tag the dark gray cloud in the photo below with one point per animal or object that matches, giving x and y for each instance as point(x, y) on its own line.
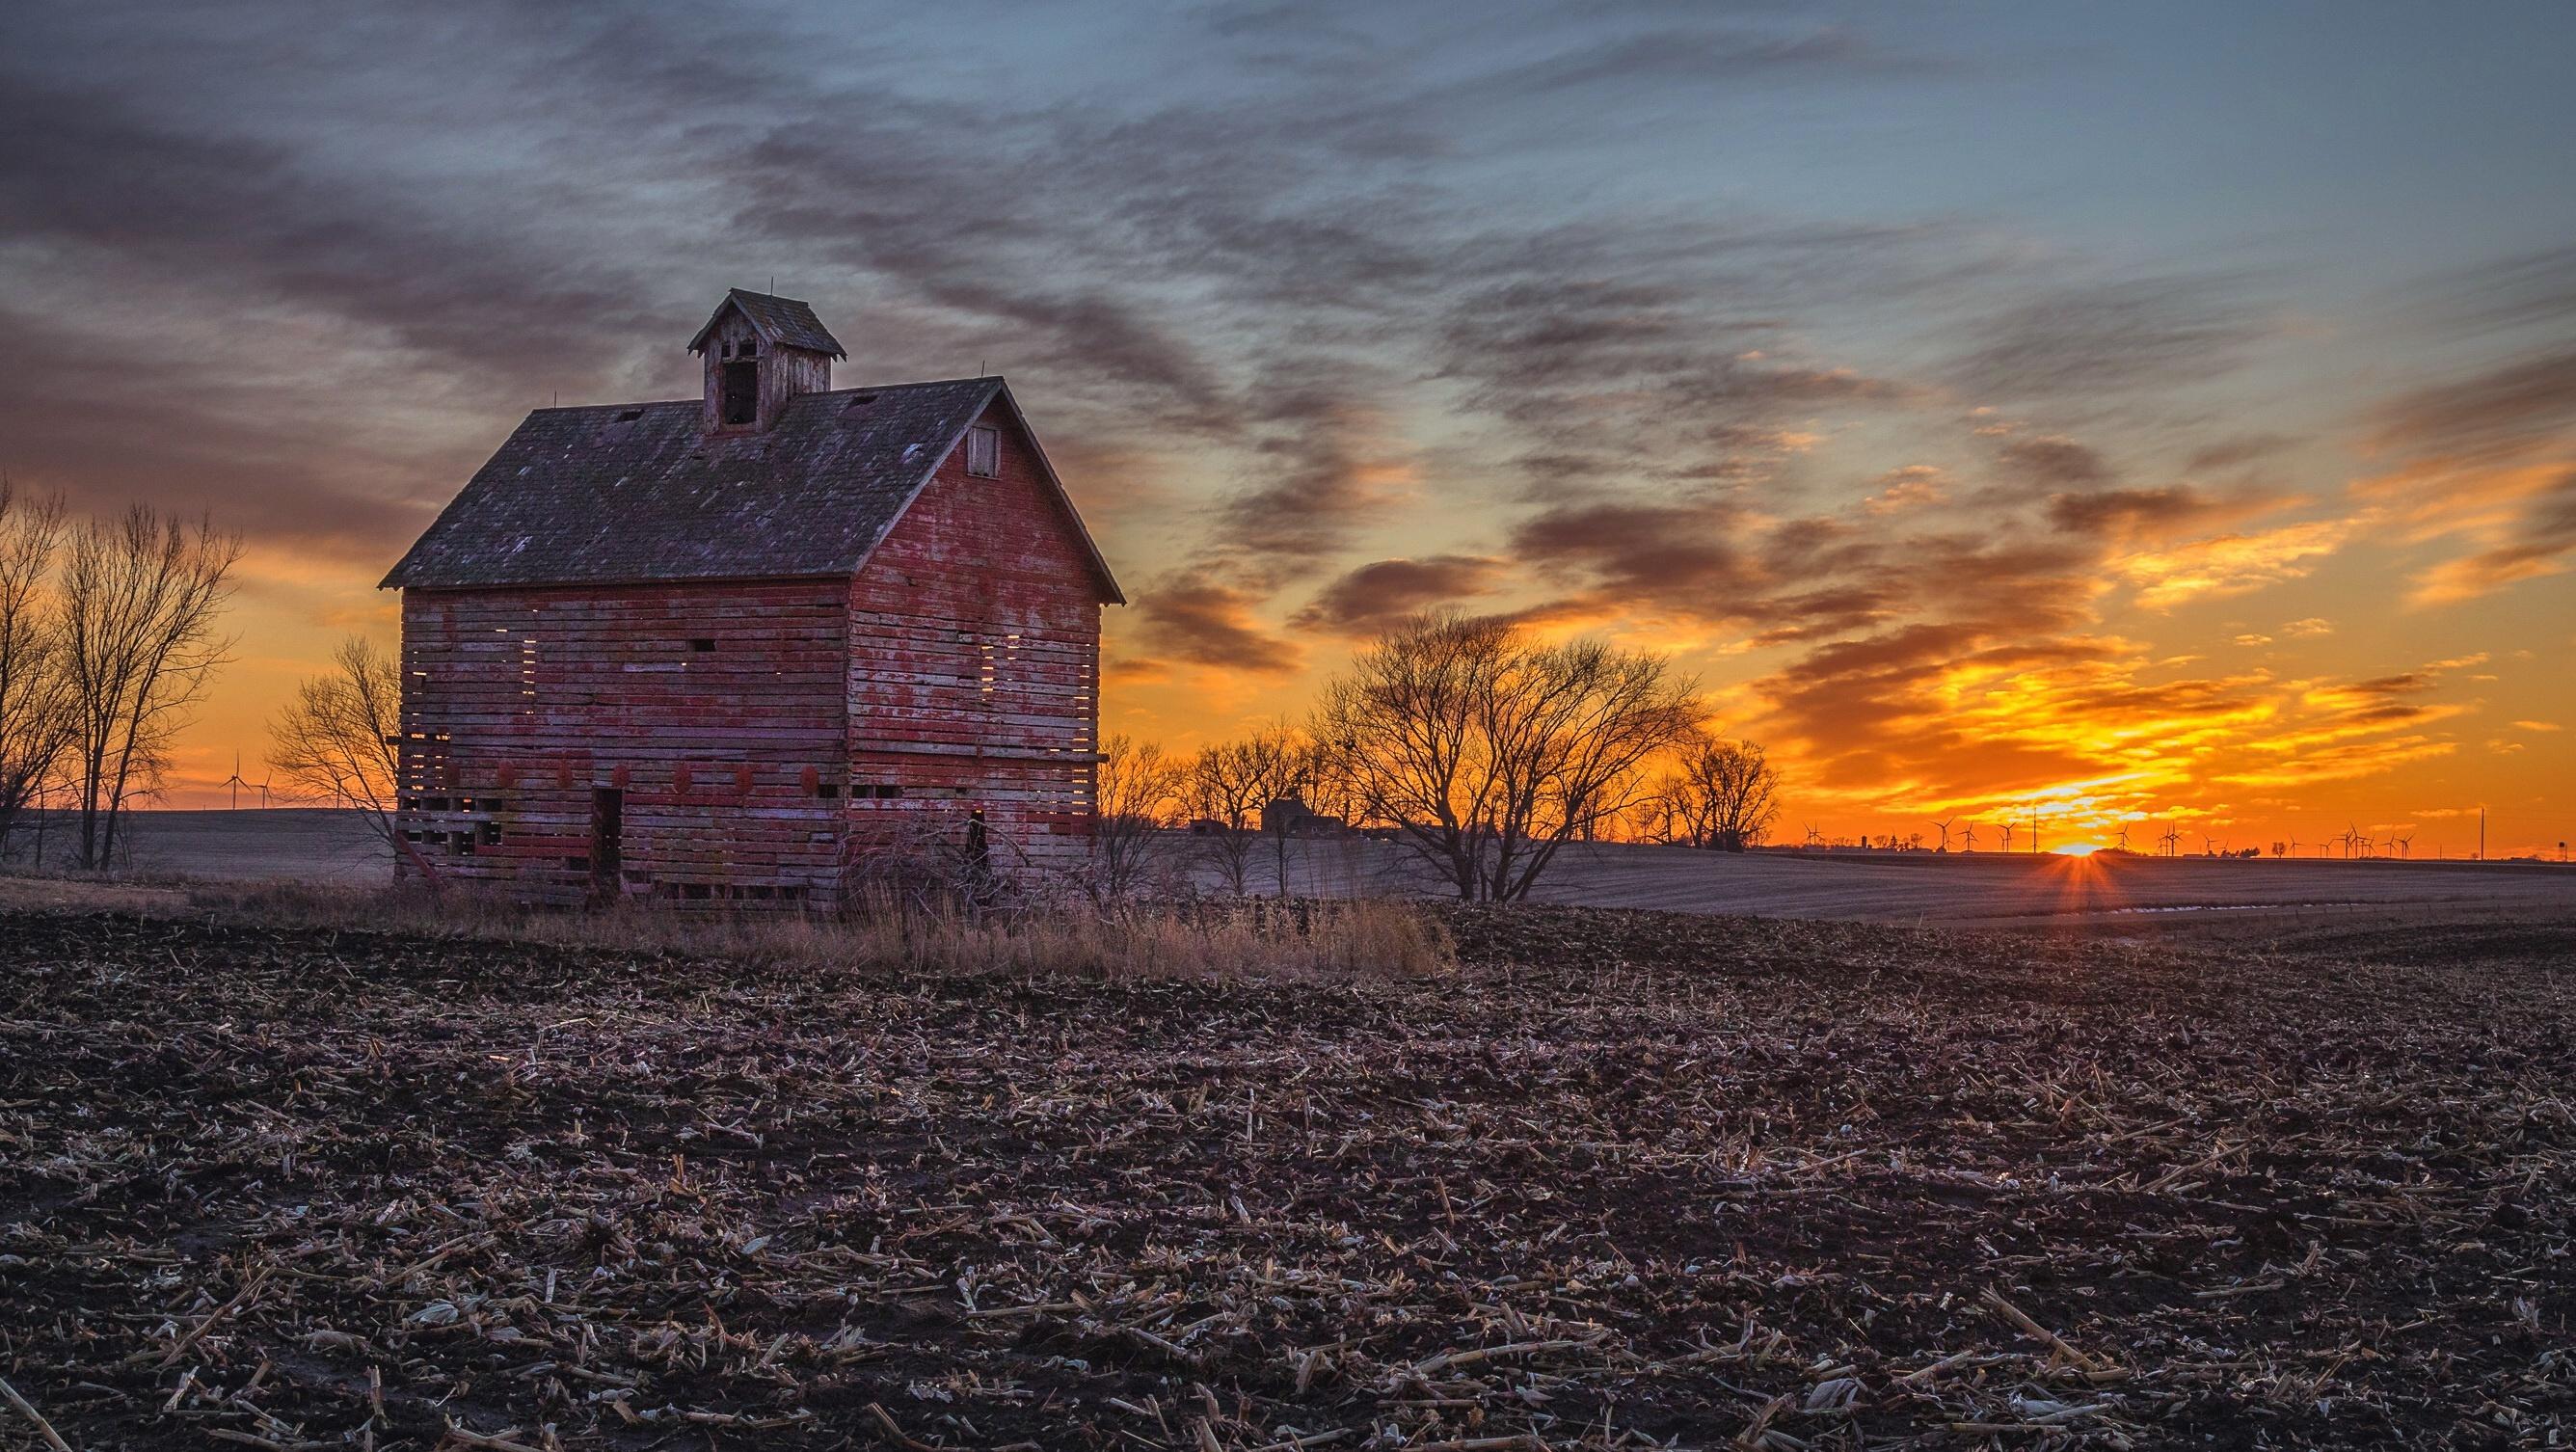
point(2532, 289)
point(1201, 619)
point(1685, 555)
point(2234, 452)
point(2112, 511)
point(2049, 463)
point(1367, 600)
point(2103, 339)
point(2503, 410)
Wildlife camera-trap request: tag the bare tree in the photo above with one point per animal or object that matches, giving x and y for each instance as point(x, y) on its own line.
point(1138, 785)
point(1724, 797)
point(36, 721)
point(338, 739)
point(1490, 751)
point(1231, 785)
point(140, 597)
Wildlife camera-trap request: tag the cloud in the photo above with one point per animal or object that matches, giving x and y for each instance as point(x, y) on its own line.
point(2496, 413)
point(2230, 564)
point(1204, 621)
point(2537, 726)
point(2052, 463)
point(1699, 57)
point(2542, 542)
point(2231, 452)
point(1327, 463)
point(1682, 553)
point(2526, 290)
point(1374, 596)
point(2162, 510)
point(1915, 486)
point(2108, 337)
point(2307, 629)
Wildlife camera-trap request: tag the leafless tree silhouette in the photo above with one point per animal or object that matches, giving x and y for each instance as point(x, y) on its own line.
point(140, 596)
point(336, 740)
point(37, 723)
point(1488, 751)
point(1724, 796)
point(1229, 784)
point(1132, 808)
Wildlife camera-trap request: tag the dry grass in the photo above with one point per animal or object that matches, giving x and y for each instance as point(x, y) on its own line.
point(1357, 939)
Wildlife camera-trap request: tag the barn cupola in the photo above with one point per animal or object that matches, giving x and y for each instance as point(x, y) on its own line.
point(761, 351)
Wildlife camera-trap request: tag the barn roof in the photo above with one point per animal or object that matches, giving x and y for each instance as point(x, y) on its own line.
point(781, 321)
point(640, 492)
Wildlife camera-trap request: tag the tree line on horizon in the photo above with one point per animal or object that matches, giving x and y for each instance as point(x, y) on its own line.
point(1467, 740)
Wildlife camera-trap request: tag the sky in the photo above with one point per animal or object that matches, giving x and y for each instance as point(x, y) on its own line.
point(2126, 418)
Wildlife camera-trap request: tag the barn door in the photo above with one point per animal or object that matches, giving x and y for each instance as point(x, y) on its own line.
point(607, 838)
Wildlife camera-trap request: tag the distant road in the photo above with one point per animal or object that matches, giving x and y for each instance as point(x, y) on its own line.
point(1957, 889)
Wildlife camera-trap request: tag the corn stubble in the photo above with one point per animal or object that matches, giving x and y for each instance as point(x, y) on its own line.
point(1611, 1180)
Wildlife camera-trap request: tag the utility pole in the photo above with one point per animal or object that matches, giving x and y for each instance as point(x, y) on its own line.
point(2482, 834)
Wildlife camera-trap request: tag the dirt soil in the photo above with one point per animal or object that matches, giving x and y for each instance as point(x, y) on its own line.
point(1627, 1180)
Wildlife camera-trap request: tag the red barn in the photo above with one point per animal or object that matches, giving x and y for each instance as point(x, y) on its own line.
point(745, 646)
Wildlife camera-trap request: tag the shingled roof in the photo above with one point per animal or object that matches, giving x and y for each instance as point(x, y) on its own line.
point(780, 321)
point(641, 492)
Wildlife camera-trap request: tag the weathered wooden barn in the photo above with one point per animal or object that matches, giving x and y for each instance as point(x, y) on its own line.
point(751, 645)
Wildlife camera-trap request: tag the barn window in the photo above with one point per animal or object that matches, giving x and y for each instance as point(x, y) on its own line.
point(740, 403)
point(703, 645)
point(828, 790)
point(984, 452)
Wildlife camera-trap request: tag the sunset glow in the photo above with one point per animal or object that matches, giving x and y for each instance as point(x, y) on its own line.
point(2043, 494)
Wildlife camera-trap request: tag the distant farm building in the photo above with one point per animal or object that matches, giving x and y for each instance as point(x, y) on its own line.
point(747, 646)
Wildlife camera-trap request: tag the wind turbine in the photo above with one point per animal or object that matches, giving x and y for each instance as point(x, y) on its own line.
point(1969, 833)
point(1814, 837)
point(2123, 843)
point(2008, 831)
point(235, 781)
point(264, 780)
point(2405, 846)
point(1944, 824)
